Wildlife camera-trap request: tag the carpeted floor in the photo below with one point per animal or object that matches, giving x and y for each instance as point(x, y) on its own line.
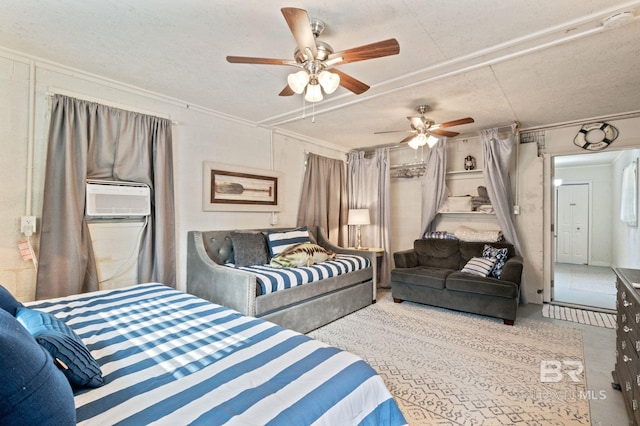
point(450, 368)
point(582, 316)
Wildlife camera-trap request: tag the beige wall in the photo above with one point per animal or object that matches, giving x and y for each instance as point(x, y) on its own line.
point(201, 135)
point(198, 136)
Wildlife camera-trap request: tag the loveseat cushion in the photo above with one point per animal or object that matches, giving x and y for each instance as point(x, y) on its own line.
point(470, 249)
point(460, 281)
point(438, 253)
point(421, 276)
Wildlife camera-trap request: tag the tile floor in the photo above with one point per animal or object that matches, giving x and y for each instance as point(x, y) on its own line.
point(586, 285)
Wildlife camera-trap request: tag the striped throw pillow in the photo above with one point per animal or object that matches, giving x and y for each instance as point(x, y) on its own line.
point(480, 266)
point(280, 241)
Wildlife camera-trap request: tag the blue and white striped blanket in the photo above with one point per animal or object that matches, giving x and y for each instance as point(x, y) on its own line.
point(171, 358)
point(272, 279)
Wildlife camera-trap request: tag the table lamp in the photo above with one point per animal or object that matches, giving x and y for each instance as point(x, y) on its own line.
point(359, 217)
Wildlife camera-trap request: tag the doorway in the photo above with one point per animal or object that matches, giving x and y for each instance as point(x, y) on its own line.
point(582, 211)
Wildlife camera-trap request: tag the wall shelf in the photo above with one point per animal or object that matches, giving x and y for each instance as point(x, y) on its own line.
point(466, 213)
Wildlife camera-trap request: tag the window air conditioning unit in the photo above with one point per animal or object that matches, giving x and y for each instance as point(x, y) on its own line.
point(112, 199)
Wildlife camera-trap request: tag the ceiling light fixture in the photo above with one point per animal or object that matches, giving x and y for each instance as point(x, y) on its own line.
point(313, 82)
point(422, 139)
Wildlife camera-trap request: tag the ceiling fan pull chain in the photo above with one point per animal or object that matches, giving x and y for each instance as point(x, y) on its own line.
point(313, 112)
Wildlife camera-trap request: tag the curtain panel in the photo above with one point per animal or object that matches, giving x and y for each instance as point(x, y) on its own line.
point(498, 157)
point(323, 201)
point(434, 186)
point(369, 185)
point(93, 141)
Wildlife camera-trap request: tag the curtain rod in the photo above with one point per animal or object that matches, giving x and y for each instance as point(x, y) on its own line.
point(57, 91)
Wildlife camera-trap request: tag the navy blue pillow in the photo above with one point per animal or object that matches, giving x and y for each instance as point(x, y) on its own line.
point(64, 345)
point(8, 302)
point(32, 390)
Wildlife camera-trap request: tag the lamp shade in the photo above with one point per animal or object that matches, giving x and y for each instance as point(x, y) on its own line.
point(413, 143)
point(431, 141)
point(314, 93)
point(298, 81)
point(358, 217)
point(329, 81)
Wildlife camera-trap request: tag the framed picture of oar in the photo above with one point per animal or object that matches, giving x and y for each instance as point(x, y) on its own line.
point(236, 188)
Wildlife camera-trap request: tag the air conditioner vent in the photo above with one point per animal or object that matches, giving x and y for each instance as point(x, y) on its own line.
point(112, 199)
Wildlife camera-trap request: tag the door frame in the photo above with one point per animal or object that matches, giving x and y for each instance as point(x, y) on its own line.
point(589, 184)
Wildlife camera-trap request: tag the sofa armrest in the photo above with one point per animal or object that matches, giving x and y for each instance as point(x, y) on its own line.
point(512, 270)
point(216, 283)
point(405, 259)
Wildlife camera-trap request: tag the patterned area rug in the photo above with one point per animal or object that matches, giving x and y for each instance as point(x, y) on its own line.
point(450, 368)
point(582, 316)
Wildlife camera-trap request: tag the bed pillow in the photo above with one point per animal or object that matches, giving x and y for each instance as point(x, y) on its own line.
point(304, 254)
point(480, 266)
point(501, 258)
point(249, 248)
point(64, 345)
point(8, 302)
point(280, 241)
point(32, 390)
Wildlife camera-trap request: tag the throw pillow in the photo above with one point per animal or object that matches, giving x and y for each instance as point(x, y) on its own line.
point(304, 254)
point(479, 266)
point(249, 248)
point(8, 302)
point(64, 345)
point(280, 241)
point(500, 255)
point(32, 390)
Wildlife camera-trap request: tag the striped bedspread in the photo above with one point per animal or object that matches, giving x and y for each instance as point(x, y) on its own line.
point(273, 279)
point(171, 358)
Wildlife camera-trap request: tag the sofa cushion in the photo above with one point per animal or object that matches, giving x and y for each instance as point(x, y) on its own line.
point(499, 254)
point(438, 253)
point(480, 266)
point(469, 249)
point(249, 248)
point(460, 281)
point(8, 302)
point(421, 276)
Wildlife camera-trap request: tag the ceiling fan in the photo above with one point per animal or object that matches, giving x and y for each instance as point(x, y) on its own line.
point(316, 59)
point(423, 129)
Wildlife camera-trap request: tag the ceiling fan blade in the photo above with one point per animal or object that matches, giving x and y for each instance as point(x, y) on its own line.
point(287, 91)
point(263, 61)
point(300, 27)
point(416, 122)
point(444, 132)
point(350, 83)
point(369, 51)
point(457, 122)
point(394, 131)
point(407, 139)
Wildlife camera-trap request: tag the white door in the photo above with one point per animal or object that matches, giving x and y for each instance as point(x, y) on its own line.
point(573, 224)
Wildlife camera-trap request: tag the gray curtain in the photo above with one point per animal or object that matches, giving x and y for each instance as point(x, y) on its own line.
point(368, 187)
point(323, 201)
point(498, 157)
point(93, 141)
point(434, 187)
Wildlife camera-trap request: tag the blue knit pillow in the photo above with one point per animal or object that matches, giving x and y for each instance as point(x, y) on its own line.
point(32, 390)
point(280, 241)
point(500, 255)
point(64, 345)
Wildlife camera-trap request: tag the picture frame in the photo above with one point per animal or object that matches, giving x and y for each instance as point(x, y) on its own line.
point(228, 187)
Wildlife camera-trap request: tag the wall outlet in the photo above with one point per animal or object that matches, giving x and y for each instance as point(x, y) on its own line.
point(28, 225)
point(274, 219)
point(516, 209)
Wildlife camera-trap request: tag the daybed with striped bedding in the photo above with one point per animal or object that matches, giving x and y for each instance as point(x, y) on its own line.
point(167, 357)
point(302, 299)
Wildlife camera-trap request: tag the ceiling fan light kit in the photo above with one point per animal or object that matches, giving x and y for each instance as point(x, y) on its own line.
point(425, 131)
point(316, 57)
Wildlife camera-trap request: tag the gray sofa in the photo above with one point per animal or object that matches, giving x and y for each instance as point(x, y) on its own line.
point(302, 308)
point(430, 273)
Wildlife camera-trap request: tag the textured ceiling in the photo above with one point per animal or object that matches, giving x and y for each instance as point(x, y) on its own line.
point(541, 62)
